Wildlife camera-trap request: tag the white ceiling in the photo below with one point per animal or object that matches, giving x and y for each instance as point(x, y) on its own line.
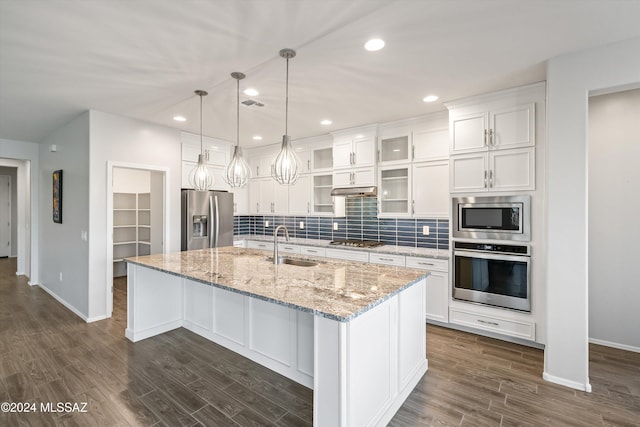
point(144, 58)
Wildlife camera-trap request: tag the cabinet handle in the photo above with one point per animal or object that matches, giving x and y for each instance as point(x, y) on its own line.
point(308, 165)
point(235, 207)
point(485, 179)
point(351, 158)
point(413, 207)
point(257, 206)
point(257, 170)
point(312, 251)
point(413, 152)
point(425, 263)
point(308, 207)
point(378, 159)
point(272, 169)
point(386, 259)
point(491, 179)
point(492, 142)
point(354, 159)
point(484, 322)
point(484, 141)
point(273, 207)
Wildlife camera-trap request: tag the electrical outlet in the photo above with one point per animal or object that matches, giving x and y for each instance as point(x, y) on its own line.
point(266, 224)
point(61, 276)
point(301, 225)
point(335, 226)
point(425, 230)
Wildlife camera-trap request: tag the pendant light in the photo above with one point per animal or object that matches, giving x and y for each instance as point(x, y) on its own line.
point(200, 177)
point(287, 167)
point(238, 172)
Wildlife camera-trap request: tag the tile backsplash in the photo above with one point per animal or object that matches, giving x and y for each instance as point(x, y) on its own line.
point(361, 222)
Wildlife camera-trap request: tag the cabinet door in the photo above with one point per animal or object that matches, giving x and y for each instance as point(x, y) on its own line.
point(280, 197)
point(342, 178)
point(468, 133)
point(190, 152)
point(364, 177)
point(394, 191)
point(395, 149)
point(254, 196)
point(512, 169)
point(430, 145)
point(304, 155)
point(364, 151)
point(265, 196)
point(512, 127)
point(468, 172)
point(342, 154)
point(265, 164)
point(322, 159)
point(300, 196)
point(438, 296)
point(431, 189)
point(322, 202)
point(241, 200)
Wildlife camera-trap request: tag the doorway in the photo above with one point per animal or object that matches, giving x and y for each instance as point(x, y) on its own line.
point(5, 216)
point(613, 232)
point(137, 224)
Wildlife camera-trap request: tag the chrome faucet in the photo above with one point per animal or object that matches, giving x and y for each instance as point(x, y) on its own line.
point(276, 260)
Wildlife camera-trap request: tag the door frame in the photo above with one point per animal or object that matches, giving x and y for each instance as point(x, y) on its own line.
point(10, 216)
point(109, 229)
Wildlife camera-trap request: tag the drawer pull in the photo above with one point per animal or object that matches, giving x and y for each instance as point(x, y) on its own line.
point(312, 251)
point(386, 259)
point(485, 322)
point(425, 263)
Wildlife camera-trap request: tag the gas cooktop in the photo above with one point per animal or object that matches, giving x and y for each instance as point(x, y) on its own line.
point(356, 243)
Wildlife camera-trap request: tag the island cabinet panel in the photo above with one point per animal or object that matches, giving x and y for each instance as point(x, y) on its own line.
point(366, 368)
point(269, 329)
point(198, 302)
point(229, 316)
point(157, 298)
point(304, 350)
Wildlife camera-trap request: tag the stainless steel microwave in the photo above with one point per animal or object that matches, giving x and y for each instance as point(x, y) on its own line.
point(493, 218)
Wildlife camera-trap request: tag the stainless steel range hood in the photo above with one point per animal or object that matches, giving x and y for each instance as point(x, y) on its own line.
point(355, 191)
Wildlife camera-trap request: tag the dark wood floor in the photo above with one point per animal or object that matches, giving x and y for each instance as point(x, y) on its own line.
point(47, 354)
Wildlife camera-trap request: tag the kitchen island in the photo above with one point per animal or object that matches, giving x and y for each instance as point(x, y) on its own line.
point(353, 332)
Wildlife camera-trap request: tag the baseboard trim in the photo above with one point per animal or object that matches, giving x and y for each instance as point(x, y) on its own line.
point(567, 383)
point(615, 345)
point(96, 318)
point(61, 301)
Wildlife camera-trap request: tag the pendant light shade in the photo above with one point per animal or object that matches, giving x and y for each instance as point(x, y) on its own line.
point(238, 172)
point(200, 178)
point(287, 167)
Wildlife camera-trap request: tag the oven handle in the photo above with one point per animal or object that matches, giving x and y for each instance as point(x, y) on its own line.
point(489, 255)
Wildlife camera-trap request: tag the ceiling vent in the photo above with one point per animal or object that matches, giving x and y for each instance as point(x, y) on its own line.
point(252, 103)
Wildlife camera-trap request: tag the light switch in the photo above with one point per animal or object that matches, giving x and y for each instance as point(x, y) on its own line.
point(83, 235)
point(335, 226)
point(425, 230)
point(266, 224)
point(301, 225)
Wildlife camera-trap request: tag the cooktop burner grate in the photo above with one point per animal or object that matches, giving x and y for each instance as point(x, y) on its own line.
point(356, 243)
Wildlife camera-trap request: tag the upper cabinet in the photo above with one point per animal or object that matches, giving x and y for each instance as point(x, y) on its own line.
point(355, 148)
point(216, 153)
point(395, 149)
point(492, 140)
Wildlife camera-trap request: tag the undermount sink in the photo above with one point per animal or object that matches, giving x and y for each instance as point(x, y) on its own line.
point(292, 261)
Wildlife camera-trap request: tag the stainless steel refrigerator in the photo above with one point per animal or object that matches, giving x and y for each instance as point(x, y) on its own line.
point(207, 219)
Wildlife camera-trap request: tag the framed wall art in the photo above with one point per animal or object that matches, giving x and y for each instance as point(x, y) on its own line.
point(57, 196)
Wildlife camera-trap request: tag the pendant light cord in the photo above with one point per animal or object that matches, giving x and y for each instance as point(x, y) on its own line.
point(286, 105)
point(201, 147)
point(238, 113)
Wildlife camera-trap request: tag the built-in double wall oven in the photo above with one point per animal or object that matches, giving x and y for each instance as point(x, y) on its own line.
point(491, 256)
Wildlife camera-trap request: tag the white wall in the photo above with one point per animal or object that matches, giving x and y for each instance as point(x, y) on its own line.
point(25, 156)
point(569, 80)
point(121, 139)
point(12, 172)
point(131, 180)
point(61, 248)
point(614, 183)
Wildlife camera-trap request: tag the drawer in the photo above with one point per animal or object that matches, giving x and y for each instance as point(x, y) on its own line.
point(253, 244)
point(514, 328)
point(428, 263)
point(239, 244)
point(386, 259)
point(307, 250)
point(348, 255)
point(289, 249)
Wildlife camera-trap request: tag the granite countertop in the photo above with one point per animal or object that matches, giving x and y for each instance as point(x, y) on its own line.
point(336, 289)
point(384, 249)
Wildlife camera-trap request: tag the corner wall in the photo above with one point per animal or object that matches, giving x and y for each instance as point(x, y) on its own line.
point(63, 253)
point(570, 78)
point(13, 173)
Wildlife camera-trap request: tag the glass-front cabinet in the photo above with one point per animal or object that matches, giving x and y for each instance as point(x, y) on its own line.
point(322, 159)
point(321, 192)
point(395, 149)
point(394, 191)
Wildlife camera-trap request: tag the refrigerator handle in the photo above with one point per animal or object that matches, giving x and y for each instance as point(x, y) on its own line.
point(211, 221)
point(217, 221)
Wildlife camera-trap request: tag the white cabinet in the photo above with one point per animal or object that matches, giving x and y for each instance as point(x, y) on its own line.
point(322, 202)
point(354, 178)
point(300, 196)
point(321, 159)
point(437, 298)
point(395, 149)
point(387, 259)
point(304, 155)
point(241, 200)
point(266, 246)
point(262, 165)
point(394, 191)
point(354, 152)
point(430, 189)
point(268, 197)
point(430, 144)
point(514, 326)
point(500, 170)
point(347, 254)
point(501, 128)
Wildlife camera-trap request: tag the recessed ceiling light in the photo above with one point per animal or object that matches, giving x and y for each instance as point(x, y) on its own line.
point(251, 92)
point(179, 119)
point(374, 44)
point(257, 137)
point(430, 98)
point(326, 122)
